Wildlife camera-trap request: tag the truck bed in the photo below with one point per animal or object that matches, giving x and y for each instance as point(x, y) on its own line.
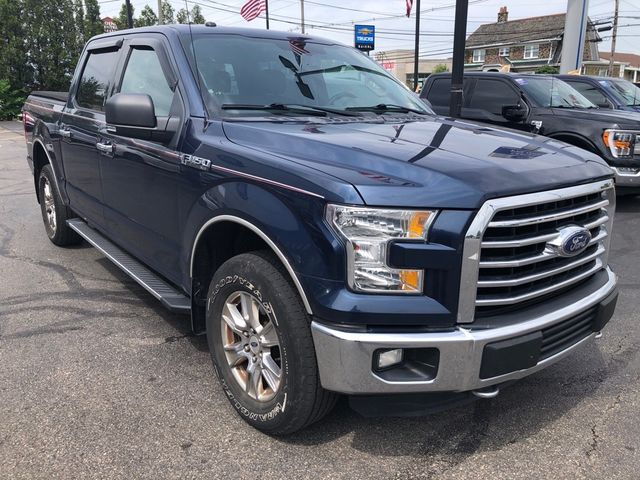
point(51, 95)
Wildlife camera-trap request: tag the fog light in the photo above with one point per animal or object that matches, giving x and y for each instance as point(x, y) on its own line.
point(388, 358)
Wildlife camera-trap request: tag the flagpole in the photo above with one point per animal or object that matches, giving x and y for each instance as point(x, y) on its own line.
point(302, 15)
point(415, 61)
point(266, 3)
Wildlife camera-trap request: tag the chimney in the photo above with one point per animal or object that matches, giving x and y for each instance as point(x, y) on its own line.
point(503, 15)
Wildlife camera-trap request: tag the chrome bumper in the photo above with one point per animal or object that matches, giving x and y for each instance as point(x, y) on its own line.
point(626, 178)
point(345, 359)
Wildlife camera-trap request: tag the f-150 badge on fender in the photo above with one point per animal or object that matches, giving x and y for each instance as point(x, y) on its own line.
point(196, 162)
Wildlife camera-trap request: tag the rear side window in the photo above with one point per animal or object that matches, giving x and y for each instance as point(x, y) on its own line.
point(492, 95)
point(592, 93)
point(144, 75)
point(440, 92)
point(96, 78)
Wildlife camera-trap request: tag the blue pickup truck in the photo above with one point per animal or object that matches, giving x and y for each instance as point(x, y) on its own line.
point(326, 230)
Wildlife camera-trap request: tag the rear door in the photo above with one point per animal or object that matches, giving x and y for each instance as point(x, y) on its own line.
point(141, 178)
point(79, 126)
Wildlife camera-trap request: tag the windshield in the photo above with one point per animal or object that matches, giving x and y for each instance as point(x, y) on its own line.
point(551, 92)
point(626, 91)
point(243, 71)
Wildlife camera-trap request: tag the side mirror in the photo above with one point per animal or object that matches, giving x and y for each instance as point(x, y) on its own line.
point(604, 104)
point(515, 113)
point(134, 115)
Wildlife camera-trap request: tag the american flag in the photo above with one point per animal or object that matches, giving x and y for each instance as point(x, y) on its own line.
point(297, 45)
point(252, 9)
point(409, 5)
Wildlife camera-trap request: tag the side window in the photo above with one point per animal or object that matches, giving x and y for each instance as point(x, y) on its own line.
point(440, 92)
point(144, 74)
point(591, 92)
point(96, 78)
point(491, 95)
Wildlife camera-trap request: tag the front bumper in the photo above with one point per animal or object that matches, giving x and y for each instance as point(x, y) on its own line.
point(626, 177)
point(345, 358)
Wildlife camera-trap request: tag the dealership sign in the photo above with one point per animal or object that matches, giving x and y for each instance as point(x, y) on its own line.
point(365, 37)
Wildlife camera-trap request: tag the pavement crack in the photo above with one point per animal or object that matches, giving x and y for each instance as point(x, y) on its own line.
point(594, 441)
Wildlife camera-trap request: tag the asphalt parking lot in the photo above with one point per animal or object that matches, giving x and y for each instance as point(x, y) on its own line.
point(97, 380)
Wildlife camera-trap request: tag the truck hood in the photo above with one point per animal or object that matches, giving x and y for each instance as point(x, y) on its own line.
point(432, 162)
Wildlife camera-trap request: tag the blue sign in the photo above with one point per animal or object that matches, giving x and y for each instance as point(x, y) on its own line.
point(365, 37)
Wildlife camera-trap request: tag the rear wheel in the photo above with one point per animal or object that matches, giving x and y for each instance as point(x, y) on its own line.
point(261, 346)
point(54, 212)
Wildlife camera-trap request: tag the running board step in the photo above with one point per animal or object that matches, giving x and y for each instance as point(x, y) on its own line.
point(150, 281)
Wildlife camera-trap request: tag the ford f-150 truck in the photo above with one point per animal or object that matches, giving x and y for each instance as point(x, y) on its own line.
point(325, 229)
point(546, 105)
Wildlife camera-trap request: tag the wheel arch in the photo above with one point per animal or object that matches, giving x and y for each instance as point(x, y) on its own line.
point(232, 235)
point(576, 140)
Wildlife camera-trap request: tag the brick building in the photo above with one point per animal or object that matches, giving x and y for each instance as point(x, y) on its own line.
point(109, 25)
point(522, 45)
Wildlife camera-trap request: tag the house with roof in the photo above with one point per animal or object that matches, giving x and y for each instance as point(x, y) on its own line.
point(523, 45)
point(625, 65)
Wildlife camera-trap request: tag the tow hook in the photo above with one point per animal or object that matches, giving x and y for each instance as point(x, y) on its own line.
point(486, 393)
point(598, 335)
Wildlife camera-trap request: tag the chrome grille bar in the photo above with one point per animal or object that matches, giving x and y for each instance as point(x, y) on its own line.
point(521, 222)
point(524, 228)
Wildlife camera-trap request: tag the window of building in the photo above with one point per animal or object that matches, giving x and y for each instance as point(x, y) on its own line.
point(144, 75)
point(504, 51)
point(478, 56)
point(95, 79)
point(531, 51)
point(492, 95)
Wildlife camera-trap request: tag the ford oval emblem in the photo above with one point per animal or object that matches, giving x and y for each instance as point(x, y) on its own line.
point(571, 241)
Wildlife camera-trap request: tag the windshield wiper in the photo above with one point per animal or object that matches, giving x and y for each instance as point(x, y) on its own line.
point(386, 108)
point(281, 107)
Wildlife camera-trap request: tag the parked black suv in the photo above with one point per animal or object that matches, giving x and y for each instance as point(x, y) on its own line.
point(548, 106)
point(613, 93)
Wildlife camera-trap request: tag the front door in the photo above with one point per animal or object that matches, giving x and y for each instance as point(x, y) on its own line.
point(141, 178)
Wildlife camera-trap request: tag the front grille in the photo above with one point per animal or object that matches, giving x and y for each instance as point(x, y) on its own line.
point(562, 335)
point(517, 268)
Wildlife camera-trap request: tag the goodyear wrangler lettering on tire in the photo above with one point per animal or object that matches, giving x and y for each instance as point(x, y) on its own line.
point(261, 346)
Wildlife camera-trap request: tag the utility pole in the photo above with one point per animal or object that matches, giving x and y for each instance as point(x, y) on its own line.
point(614, 34)
point(416, 60)
point(129, 15)
point(159, 12)
point(302, 15)
point(457, 67)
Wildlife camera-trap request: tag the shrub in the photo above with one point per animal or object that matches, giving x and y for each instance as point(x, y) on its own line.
point(547, 69)
point(11, 101)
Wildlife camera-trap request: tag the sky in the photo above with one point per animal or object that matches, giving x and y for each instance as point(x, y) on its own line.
point(334, 19)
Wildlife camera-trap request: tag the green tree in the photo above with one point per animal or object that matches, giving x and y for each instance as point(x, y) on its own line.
point(167, 13)
point(53, 52)
point(195, 15)
point(79, 18)
point(440, 68)
point(546, 69)
point(93, 23)
point(11, 100)
point(147, 17)
point(15, 66)
point(121, 20)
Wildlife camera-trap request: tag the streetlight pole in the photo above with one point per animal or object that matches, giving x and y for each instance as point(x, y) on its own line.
point(302, 15)
point(457, 68)
point(160, 12)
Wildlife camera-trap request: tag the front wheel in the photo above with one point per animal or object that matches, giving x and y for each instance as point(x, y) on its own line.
point(261, 346)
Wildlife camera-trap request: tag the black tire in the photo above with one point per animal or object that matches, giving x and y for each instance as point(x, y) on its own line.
point(300, 399)
point(54, 212)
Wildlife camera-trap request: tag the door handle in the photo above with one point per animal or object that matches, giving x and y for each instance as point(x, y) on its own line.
point(105, 147)
point(64, 133)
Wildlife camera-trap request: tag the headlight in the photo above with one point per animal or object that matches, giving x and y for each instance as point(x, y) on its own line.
point(367, 233)
point(622, 144)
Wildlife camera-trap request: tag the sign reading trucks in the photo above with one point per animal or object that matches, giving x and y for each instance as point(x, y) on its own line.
point(365, 37)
